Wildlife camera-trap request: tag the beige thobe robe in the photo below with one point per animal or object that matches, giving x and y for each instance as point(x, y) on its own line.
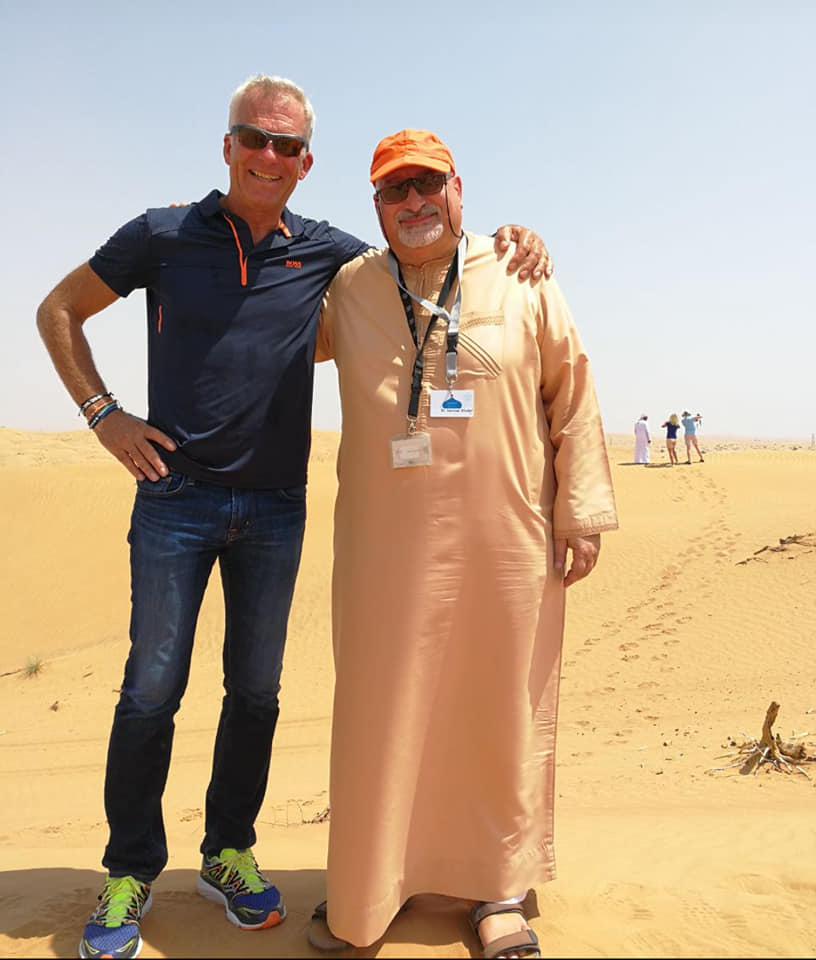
point(447, 613)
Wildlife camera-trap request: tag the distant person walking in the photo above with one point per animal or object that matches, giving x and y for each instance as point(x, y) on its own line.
point(672, 426)
point(690, 427)
point(642, 440)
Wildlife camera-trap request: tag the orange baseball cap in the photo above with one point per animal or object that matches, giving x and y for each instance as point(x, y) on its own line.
point(407, 148)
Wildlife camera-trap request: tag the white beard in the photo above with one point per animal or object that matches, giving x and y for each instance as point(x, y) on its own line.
point(420, 235)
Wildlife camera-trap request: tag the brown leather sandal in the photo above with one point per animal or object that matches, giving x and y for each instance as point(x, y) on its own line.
point(319, 935)
point(524, 942)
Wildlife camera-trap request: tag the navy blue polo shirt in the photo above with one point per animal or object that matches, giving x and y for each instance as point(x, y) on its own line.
point(231, 334)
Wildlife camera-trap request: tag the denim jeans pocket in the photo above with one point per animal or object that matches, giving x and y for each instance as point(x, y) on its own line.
point(169, 486)
point(292, 494)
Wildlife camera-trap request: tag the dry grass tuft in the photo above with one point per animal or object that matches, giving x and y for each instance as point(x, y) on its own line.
point(33, 667)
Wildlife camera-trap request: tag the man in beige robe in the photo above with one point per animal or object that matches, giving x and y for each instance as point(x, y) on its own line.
point(458, 525)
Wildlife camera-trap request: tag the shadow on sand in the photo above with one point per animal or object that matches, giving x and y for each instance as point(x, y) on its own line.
point(184, 924)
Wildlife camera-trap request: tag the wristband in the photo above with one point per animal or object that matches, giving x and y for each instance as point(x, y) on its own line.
point(99, 396)
point(99, 417)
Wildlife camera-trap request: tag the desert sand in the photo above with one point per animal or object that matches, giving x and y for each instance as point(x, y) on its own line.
point(695, 620)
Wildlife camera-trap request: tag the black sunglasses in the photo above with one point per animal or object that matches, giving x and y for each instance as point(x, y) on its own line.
point(254, 138)
point(425, 186)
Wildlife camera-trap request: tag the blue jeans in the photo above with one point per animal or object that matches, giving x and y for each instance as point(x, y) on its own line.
point(179, 528)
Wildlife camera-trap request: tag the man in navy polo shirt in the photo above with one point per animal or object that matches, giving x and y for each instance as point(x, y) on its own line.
point(234, 285)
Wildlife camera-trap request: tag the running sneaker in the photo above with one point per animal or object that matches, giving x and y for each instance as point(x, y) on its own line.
point(232, 878)
point(113, 928)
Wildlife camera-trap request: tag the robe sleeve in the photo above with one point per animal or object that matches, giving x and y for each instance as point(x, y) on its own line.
point(324, 344)
point(584, 501)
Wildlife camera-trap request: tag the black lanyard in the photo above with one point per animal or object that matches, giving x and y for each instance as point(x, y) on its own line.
point(452, 340)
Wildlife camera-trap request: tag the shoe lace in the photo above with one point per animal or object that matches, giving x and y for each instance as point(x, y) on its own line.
point(121, 900)
point(241, 865)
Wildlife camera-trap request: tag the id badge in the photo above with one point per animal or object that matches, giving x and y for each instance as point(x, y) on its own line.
point(451, 403)
point(412, 450)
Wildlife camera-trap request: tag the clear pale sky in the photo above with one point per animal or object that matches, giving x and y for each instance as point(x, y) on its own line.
point(666, 153)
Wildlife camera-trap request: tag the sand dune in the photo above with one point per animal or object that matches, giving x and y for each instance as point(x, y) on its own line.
point(696, 618)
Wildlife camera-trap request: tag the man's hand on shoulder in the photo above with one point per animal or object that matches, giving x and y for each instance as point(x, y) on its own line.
point(530, 258)
point(128, 439)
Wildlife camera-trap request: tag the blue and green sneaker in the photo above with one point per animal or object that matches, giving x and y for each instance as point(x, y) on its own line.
point(113, 928)
point(232, 878)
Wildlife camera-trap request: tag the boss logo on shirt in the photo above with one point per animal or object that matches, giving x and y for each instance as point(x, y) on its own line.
point(297, 264)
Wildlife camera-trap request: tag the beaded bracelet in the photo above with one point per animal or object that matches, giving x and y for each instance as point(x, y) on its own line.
point(97, 418)
point(99, 396)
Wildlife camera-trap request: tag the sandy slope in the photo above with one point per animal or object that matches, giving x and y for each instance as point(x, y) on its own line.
point(673, 645)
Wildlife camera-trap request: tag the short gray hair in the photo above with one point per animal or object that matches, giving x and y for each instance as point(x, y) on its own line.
point(274, 87)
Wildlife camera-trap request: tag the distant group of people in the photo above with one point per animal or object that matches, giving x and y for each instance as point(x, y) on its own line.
point(690, 423)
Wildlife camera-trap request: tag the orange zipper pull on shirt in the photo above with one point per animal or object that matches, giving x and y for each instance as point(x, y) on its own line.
point(241, 258)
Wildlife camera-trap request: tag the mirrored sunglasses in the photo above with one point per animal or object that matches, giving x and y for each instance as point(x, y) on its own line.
point(254, 138)
point(425, 186)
